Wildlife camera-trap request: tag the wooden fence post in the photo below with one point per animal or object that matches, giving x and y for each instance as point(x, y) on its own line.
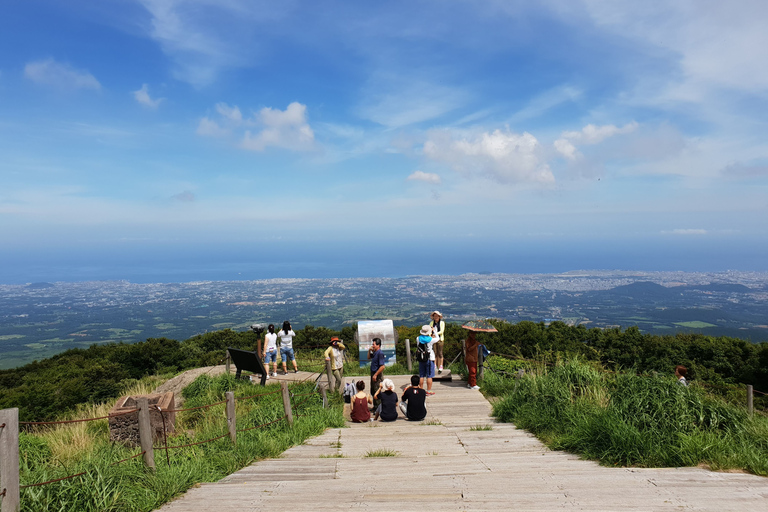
point(286, 402)
point(750, 395)
point(325, 397)
point(480, 362)
point(227, 362)
point(329, 373)
point(9, 460)
point(231, 423)
point(408, 355)
point(146, 435)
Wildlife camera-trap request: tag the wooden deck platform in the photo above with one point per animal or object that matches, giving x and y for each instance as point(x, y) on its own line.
point(447, 464)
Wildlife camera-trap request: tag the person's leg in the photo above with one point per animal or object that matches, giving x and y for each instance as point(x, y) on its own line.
point(337, 376)
point(439, 355)
point(378, 412)
point(295, 368)
point(404, 408)
point(283, 357)
point(472, 378)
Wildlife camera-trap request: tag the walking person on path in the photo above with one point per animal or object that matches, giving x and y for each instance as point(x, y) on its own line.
point(360, 403)
point(377, 366)
point(424, 351)
point(286, 347)
point(438, 328)
point(387, 409)
point(270, 350)
point(412, 401)
point(470, 358)
point(335, 354)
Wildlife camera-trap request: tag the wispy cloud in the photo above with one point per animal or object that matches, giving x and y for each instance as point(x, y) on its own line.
point(427, 177)
point(143, 98)
point(739, 170)
point(60, 75)
point(686, 232)
point(590, 134)
point(287, 129)
point(503, 156)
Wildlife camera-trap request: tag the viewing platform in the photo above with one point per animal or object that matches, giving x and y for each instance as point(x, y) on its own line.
point(459, 459)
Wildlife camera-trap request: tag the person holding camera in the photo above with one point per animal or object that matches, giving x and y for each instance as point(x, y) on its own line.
point(286, 347)
point(335, 354)
point(270, 350)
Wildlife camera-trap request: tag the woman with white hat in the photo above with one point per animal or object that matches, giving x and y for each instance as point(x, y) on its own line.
point(438, 331)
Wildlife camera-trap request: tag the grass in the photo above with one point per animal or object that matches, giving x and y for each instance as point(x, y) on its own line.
point(381, 453)
point(476, 428)
point(57, 452)
point(433, 421)
point(629, 420)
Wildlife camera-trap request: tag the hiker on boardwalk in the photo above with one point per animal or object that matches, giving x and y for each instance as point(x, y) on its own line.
point(426, 357)
point(438, 330)
point(387, 409)
point(377, 366)
point(470, 358)
point(335, 354)
point(286, 347)
point(360, 403)
point(681, 372)
point(412, 401)
point(270, 350)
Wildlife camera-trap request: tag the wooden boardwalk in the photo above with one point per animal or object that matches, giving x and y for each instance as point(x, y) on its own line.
point(444, 465)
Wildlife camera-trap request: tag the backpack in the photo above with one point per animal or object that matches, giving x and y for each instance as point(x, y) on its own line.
point(422, 352)
point(350, 390)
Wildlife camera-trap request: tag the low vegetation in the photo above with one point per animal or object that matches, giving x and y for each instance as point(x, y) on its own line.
point(631, 420)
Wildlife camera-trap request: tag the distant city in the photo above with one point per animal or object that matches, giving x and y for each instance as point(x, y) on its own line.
point(38, 320)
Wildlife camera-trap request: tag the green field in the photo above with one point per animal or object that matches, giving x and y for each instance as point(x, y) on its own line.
point(695, 324)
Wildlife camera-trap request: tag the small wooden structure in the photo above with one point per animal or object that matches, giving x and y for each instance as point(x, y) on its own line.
point(249, 361)
point(125, 427)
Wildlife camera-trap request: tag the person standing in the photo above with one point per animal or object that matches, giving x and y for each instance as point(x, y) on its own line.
point(335, 354)
point(438, 328)
point(470, 358)
point(427, 367)
point(270, 350)
point(412, 402)
point(377, 366)
point(286, 347)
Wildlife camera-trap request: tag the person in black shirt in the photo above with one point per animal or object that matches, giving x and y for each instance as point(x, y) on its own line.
point(387, 410)
point(412, 403)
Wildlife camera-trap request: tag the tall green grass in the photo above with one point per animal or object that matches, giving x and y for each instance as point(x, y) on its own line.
point(629, 420)
point(130, 486)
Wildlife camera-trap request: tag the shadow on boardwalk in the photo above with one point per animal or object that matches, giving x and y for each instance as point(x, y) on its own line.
point(449, 462)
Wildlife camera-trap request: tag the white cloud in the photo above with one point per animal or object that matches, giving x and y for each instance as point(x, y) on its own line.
point(686, 232)
point(184, 197)
point(500, 155)
point(231, 113)
point(286, 129)
point(427, 177)
point(590, 134)
point(59, 75)
point(142, 96)
point(739, 170)
point(210, 128)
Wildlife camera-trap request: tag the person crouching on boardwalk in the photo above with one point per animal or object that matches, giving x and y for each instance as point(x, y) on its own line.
point(335, 354)
point(360, 403)
point(470, 358)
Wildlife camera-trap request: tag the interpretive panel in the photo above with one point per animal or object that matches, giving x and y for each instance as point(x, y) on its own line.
point(369, 329)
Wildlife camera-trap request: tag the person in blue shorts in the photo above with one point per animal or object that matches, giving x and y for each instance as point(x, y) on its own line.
point(286, 347)
point(427, 368)
point(270, 350)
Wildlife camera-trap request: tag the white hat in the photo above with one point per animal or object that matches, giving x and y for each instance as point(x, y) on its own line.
point(426, 330)
point(437, 313)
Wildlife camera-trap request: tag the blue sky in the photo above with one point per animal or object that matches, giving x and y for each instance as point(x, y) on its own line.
point(474, 134)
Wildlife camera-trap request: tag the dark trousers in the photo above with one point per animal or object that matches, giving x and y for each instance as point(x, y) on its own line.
point(375, 387)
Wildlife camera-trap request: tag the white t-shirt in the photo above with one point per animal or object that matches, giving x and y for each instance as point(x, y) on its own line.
point(271, 342)
point(286, 340)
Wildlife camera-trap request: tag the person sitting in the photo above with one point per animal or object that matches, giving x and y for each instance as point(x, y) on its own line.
point(680, 373)
point(387, 409)
point(359, 404)
point(412, 402)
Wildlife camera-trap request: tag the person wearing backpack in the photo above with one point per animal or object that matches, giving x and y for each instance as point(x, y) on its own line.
point(426, 357)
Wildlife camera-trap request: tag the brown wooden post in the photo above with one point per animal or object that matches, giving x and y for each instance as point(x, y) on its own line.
point(287, 402)
point(325, 397)
point(329, 373)
point(146, 435)
point(227, 361)
point(480, 362)
point(750, 395)
point(231, 423)
point(408, 355)
point(9, 460)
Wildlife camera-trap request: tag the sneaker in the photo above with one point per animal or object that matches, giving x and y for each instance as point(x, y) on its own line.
point(430, 393)
point(267, 376)
point(295, 371)
point(475, 387)
point(274, 374)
